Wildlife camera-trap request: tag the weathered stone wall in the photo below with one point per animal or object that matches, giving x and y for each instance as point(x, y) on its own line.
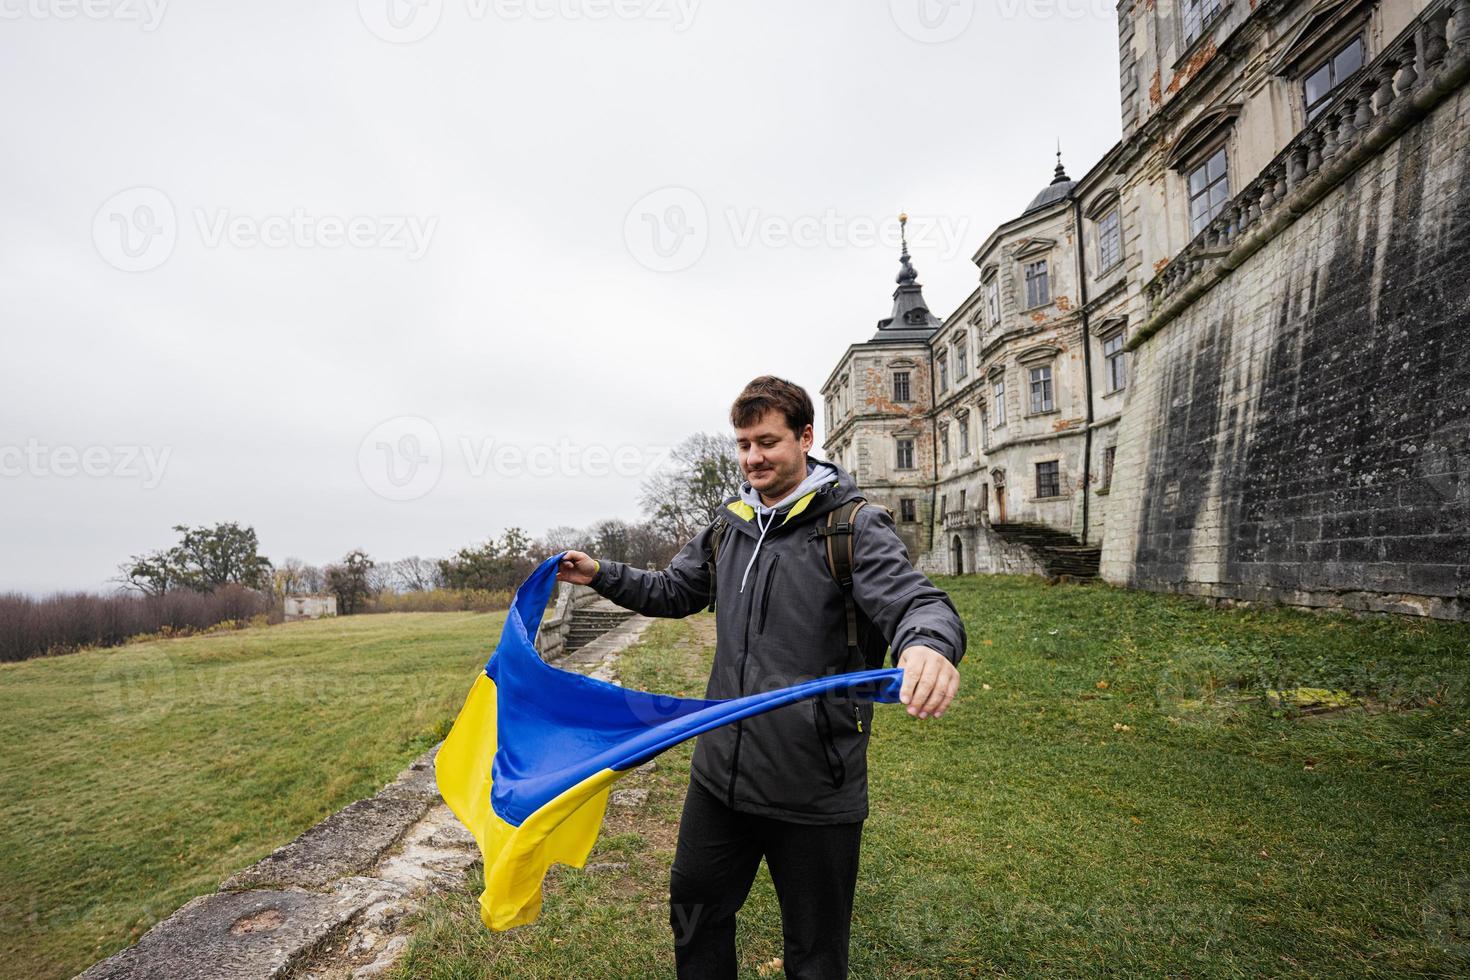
point(1302, 431)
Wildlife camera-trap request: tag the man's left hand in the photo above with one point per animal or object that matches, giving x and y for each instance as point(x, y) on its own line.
point(929, 681)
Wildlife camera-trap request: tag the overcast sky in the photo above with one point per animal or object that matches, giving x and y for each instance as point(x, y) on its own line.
point(398, 275)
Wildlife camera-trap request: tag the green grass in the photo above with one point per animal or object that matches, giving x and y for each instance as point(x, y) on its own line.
point(1222, 834)
point(135, 778)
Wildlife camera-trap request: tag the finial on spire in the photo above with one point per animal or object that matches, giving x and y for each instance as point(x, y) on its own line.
point(1060, 176)
point(906, 273)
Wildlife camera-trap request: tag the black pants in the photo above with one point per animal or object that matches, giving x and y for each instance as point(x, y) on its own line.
point(814, 869)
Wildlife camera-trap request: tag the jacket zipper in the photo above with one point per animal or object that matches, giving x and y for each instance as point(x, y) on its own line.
point(857, 717)
point(766, 597)
point(740, 725)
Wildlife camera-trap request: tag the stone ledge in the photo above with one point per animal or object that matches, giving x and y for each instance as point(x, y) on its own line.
point(229, 935)
point(348, 842)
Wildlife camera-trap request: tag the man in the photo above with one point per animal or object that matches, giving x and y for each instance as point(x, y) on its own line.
point(789, 785)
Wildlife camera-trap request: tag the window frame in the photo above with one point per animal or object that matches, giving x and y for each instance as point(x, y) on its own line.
point(992, 300)
point(1047, 389)
point(944, 443)
point(1205, 19)
point(908, 388)
point(998, 394)
point(908, 510)
point(1044, 262)
point(1199, 222)
point(942, 362)
point(1056, 470)
point(1115, 363)
point(1312, 110)
point(1113, 234)
point(963, 421)
point(900, 444)
point(961, 349)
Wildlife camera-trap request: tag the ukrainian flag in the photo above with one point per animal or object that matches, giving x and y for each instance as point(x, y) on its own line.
point(535, 750)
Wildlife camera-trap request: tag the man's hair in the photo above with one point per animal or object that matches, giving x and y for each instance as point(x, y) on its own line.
point(770, 392)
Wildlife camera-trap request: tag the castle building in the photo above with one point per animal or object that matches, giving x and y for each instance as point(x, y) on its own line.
point(1231, 359)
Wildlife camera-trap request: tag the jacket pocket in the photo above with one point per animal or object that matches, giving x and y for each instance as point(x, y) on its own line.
point(835, 766)
point(760, 623)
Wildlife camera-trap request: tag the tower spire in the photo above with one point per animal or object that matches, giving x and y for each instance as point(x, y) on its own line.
point(1060, 176)
point(906, 272)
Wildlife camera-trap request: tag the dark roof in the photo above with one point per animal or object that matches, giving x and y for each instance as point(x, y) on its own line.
point(910, 319)
point(1059, 189)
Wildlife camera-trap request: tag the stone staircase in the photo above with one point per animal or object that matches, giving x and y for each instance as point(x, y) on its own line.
point(1060, 553)
point(590, 622)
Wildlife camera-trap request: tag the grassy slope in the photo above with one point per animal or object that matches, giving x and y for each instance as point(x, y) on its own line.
point(135, 778)
point(1023, 835)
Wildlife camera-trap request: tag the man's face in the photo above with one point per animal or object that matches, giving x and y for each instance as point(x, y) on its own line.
point(772, 457)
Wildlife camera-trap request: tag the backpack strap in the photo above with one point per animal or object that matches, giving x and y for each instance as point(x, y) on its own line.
point(718, 535)
point(841, 523)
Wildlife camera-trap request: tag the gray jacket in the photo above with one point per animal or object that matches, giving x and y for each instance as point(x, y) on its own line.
point(805, 762)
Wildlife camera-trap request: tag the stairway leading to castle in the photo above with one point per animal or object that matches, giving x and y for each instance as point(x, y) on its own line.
point(1059, 552)
point(590, 622)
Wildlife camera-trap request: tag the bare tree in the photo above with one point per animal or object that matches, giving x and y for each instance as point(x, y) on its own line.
point(415, 574)
point(684, 496)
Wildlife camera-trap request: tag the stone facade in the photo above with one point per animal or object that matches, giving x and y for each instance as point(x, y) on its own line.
point(1199, 386)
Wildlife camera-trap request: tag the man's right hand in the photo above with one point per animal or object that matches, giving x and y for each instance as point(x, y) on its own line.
point(576, 568)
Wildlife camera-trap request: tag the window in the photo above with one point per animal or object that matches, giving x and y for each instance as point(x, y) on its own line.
point(1049, 479)
point(984, 429)
point(943, 504)
point(1107, 478)
point(1041, 400)
point(905, 454)
point(998, 389)
point(992, 300)
point(1198, 14)
point(908, 513)
point(1209, 189)
point(944, 443)
point(961, 368)
point(1322, 83)
point(943, 372)
point(962, 500)
point(985, 499)
point(1117, 369)
point(964, 424)
point(901, 386)
point(1109, 240)
point(1038, 288)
